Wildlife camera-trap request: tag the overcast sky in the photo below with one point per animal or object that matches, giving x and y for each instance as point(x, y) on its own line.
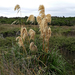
point(54, 7)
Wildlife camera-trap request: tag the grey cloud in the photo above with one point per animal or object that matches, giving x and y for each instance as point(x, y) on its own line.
point(63, 10)
point(57, 10)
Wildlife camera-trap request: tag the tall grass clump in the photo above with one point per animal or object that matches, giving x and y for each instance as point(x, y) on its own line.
point(32, 54)
point(45, 31)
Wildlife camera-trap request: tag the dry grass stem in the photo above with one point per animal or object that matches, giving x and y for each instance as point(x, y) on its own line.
point(21, 31)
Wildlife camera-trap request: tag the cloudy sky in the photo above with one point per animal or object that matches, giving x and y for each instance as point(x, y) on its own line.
point(54, 7)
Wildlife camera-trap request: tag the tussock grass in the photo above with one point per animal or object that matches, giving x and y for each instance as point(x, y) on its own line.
point(15, 61)
point(34, 56)
point(41, 63)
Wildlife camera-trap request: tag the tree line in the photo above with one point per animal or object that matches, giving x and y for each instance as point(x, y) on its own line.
point(59, 21)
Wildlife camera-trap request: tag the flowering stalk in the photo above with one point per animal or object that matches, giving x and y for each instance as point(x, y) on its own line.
point(17, 7)
point(21, 44)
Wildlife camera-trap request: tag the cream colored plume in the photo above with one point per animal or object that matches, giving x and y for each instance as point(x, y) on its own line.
point(20, 42)
point(32, 34)
point(33, 47)
point(49, 18)
point(17, 7)
point(24, 33)
point(48, 34)
point(43, 15)
point(31, 18)
point(42, 11)
point(41, 7)
point(39, 19)
point(44, 25)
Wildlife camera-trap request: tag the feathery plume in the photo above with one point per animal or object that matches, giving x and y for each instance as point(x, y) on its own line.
point(31, 18)
point(41, 7)
point(21, 44)
point(20, 41)
point(48, 34)
point(24, 33)
point(42, 11)
point(33, 47)
point(49, 18)
point(44, 25)
point(39, 19)
point(32, 34)
point(43, 15)
point(17, 7)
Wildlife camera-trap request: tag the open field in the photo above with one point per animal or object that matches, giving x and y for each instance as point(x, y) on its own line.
point(61, 46)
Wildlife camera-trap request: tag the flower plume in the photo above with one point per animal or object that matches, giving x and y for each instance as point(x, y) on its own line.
point(24, 33)
point(41, 7)
point(39, 19)
point(32, 34)
point(33, 47)
point(49, 18)
point(31, 18)
point(17, 7)
point(20, 41)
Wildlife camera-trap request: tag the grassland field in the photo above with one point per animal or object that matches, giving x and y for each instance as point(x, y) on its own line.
point(62, 39)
